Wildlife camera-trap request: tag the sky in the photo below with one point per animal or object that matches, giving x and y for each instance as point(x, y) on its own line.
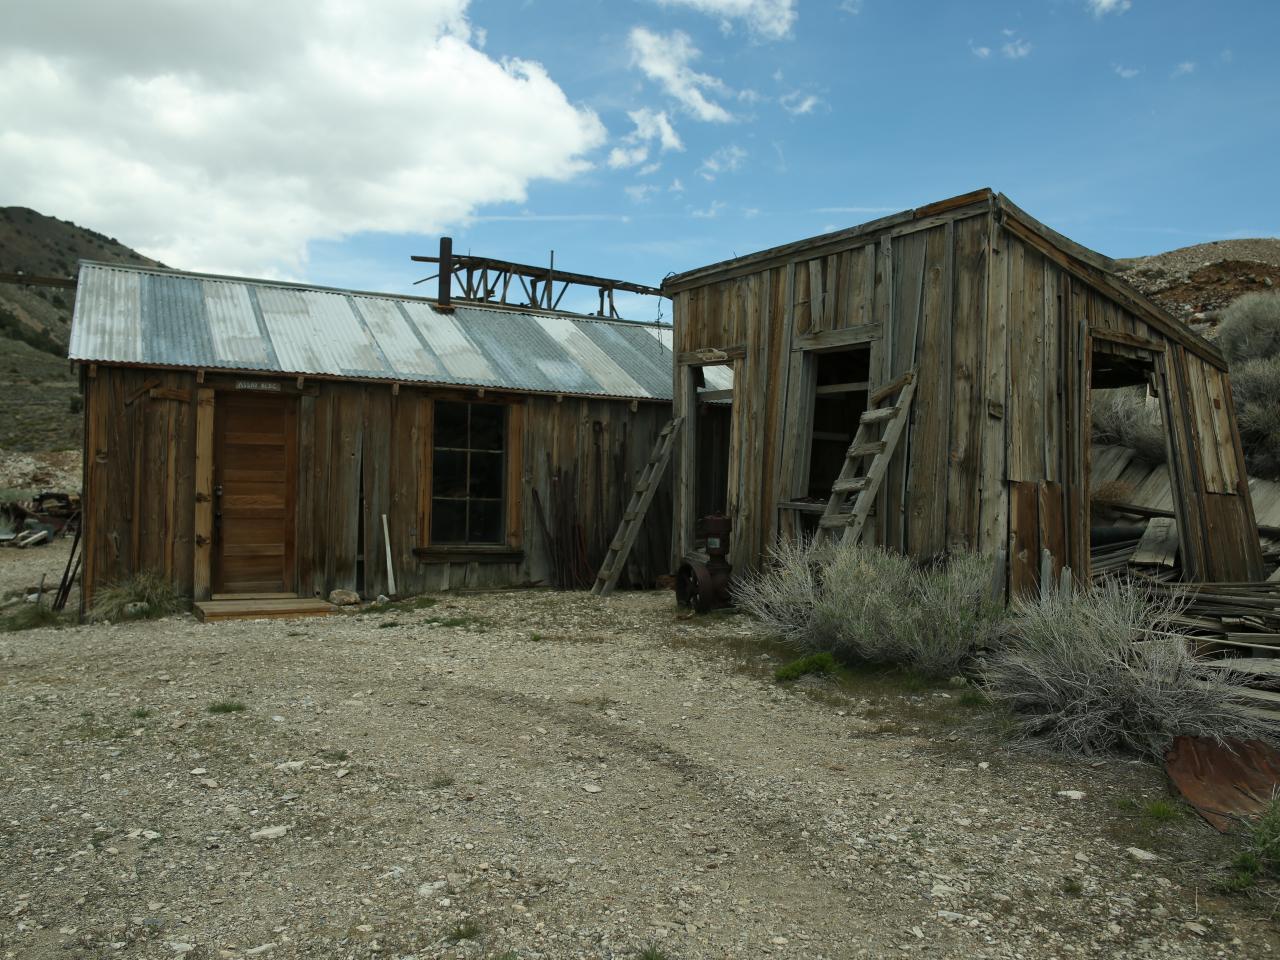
point(326, 141)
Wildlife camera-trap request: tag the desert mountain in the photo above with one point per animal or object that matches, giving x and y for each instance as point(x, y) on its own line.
point(44, 246)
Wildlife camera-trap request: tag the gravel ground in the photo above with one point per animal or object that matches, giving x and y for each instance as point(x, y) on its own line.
point(542, 775)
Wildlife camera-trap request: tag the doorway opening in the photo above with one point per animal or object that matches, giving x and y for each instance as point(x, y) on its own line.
point(713, 429)
point(1131, 462)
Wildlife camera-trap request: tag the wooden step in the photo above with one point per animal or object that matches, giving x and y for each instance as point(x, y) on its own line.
point(852, 485)
point(835, 520)
point(879, 416)
point(275, 608)
point(865, 449)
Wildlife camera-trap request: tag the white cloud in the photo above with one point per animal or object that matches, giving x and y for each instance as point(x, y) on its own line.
point(677, 186)
point(226, 136)
point(851, 7)
point(710, 212)
point(650, 126)
point(1101, 8)
point(767, 18)
point(1184, 68)
point(725, 160)
point(798, 103)
point(980, 52)
point(666, 59)
point(1126, 73)
point(1016, 48)
point(641, 192)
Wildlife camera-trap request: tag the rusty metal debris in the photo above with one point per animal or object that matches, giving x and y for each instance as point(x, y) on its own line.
point(32, 522)
point(1228, 783)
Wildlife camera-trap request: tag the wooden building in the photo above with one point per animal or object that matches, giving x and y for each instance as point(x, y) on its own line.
point(1012, 329)
point(249, 437)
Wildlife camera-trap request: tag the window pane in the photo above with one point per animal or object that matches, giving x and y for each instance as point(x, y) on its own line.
point(487, 426)
point(448, 521)
point(451, 424)
point(449, 473)
point(486, 521)
point(486, 475)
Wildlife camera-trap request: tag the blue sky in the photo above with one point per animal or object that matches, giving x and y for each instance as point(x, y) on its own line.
point(658, 135)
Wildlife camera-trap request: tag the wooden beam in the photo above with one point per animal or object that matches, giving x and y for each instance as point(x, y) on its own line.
point(1125, 339)
point(202, 570)
point(839, 339)
point(711, 356)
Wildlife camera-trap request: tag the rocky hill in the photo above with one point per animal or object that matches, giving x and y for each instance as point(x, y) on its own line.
point(1195, 283)
point(32, 243)
point(39, 396)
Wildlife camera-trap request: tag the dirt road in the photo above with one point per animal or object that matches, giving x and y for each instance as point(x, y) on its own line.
point(542, 775)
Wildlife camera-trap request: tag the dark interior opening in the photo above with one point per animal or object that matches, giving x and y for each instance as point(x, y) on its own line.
point(840, 398)
point(715, 422)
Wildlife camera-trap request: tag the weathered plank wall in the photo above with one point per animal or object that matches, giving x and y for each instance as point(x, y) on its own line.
point(916, 298)
point(362, 451)
point(1001, 326)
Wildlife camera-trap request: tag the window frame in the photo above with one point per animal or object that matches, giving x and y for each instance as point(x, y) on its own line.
point(512, 487)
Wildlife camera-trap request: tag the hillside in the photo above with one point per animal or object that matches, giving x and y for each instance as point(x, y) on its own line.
point(1195, 283)
point(39, 397)
point(32, 243)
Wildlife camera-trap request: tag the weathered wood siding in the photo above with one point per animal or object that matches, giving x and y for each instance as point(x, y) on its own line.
point(1001, 326)
point(358, 444)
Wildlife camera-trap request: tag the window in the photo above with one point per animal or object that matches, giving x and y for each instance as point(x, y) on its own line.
point(468, 473)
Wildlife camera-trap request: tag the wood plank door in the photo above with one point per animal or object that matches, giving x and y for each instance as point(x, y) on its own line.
point(255, 463)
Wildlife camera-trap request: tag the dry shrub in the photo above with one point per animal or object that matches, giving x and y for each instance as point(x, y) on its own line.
point(1124, 416)
point(1255, 385)
point(1250, 328)
point(951, 613)
point(152, 590)
point(784, 594)
point(1105, 670)
point(867, 604)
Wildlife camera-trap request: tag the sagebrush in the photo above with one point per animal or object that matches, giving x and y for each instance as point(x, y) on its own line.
point(154, 594)
point(1255, 386)
point(1249, 336)
point(1126, 416)
point(866, 604)
point(1250, 328)
point(1105, 670)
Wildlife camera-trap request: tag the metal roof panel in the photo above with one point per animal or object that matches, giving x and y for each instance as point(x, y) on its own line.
point(144, 316)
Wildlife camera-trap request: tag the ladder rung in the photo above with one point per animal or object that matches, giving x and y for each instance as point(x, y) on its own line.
point(852, 485)
point(879, 416)
point(835, 520)
point(866, 448)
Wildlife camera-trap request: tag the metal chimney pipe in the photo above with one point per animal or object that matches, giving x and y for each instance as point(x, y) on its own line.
point(445, 293)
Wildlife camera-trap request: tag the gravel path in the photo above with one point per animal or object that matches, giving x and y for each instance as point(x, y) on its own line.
point(542, 775)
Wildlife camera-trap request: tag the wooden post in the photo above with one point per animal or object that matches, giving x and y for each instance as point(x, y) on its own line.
point(391, 573)
point(202, 573)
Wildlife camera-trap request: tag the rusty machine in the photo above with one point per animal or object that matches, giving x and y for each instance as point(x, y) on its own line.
point(705, 586)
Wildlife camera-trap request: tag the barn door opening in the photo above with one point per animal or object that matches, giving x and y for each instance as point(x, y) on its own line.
point(1131, 483)
point(255, 456)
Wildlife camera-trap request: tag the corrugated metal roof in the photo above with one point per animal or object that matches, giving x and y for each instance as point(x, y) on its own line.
point(151, 317)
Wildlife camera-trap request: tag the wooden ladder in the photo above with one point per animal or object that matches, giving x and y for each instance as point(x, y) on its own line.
point(641, 497)
point(863, 486)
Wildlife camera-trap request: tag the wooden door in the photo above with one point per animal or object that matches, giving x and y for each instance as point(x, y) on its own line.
point(255, 465)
